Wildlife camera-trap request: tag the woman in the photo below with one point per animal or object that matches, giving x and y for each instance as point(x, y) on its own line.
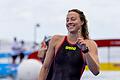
point(66, 55)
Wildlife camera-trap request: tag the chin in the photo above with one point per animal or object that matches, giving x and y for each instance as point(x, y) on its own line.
point(73, 32)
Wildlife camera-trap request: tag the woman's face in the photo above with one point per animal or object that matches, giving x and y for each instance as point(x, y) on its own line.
point(73, 22)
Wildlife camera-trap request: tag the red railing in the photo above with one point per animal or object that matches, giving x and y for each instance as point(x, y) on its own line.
point(108, 42)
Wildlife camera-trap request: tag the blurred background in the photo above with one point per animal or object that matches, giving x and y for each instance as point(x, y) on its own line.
point(31, 20)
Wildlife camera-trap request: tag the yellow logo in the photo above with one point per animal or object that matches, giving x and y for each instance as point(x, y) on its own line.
point(70, 48)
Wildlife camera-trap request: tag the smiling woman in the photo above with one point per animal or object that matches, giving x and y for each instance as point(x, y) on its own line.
point(64, 55)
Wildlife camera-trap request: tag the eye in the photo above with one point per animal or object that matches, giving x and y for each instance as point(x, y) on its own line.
point(73, 18)
point(67, 19)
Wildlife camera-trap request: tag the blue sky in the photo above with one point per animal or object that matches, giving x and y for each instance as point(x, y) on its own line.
point(19, 18)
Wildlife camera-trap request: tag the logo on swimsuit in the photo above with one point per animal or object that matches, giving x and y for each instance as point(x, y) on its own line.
point(70, 48)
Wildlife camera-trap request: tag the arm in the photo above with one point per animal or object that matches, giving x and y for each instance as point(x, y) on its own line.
point(48, 60)
point(92, 57)
point(41, 52)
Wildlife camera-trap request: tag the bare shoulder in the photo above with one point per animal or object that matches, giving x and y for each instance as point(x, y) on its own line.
point(56, 39)
point(91, 42)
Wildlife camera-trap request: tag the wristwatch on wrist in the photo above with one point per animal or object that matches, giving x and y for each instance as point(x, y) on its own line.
point(83, 48)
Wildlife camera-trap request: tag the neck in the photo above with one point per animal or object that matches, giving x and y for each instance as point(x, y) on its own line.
point(73, 37)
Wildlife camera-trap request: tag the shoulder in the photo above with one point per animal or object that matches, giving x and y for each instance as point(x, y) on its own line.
point(56, 39)
point(91, 42)
point(92, 46)
point(58, 36)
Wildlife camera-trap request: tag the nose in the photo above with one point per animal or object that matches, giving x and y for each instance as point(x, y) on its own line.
point(69, 21)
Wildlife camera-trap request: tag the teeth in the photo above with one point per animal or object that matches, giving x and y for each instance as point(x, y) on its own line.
point(71, 26)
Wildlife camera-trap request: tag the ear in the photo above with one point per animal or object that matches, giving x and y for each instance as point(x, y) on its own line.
point(82, 22)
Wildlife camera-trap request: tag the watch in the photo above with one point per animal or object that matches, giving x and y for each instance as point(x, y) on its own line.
point(85, 50)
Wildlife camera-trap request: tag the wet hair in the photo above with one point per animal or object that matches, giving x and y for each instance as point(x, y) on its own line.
point(84, 29)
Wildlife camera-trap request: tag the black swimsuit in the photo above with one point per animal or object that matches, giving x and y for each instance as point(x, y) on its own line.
point(68, 63)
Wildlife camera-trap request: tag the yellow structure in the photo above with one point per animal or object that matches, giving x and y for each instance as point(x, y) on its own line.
point(109, 67)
